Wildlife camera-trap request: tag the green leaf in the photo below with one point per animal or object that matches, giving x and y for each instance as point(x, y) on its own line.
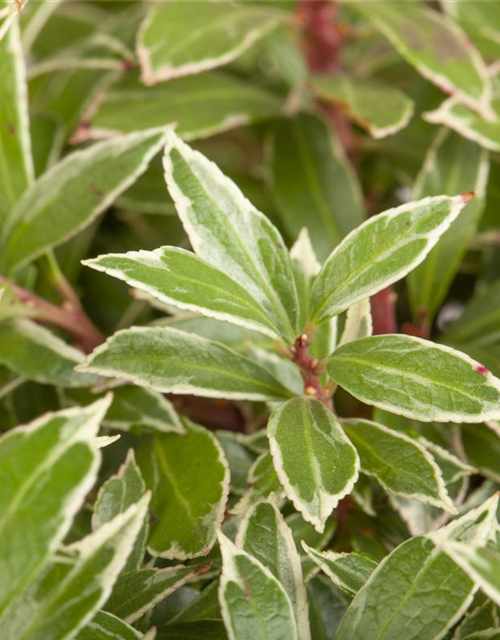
point(452, 164)
point(254, 604)
point(481, 20)
point(379, 108)
point(480, 563)
point(478, 618)
point(264, 535)
point(105, 626)
point(37, 354)
point(417, 379)
point(16, 165)
point(480, 322)
point(46, 470)
point(399, 463)
point(175, 40)
point(358, 322)
point(206, 629)
point(381, 251)
point(139, 410)
point(137, 592)
point(239, 458)
point(313, 184)
point(200, 106)
point(485, 634)
point(262, 481)
point(467, 123)
point(178, 277)
point(436, 47)
point(184, 363)
point(349, 571)
point(314, 460)
point(189, 479)
point(327, 605)
point(417, 577)
point(482, 448)
point(228, 232)
point(115, 496)
point(71, 194)
point(77, 583)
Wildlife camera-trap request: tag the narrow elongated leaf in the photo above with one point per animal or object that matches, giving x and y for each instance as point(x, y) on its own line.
point(358, 322)
point(480, 322)
point(417, 576)
point(401, 465)
point(199, 106)
point(467, 123)
point(16, 165)
point(176, 41)
point(377, 107)
point(478, 618)
point(380, 252)
point(228, 232)
point(46, 469)
point(481, 563)
point(71, 194)
point(315, 462)
point(77, 583)
point(137, 592)
point(115, 496)
point(436, 47)
point(264, 535)
point(349, 571)
point(37, 354)
point(485, 634)
point(182, 363)
point(313, 184)
point(254, 604)
point(141, 410)
point(417, 379)
point(106, 626)
point(189, 479)
point(239, 458)
point(178, 277)
point(453, 164)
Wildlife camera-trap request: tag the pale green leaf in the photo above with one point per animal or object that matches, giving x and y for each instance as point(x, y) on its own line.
point(33, 20)
point(417, 379)
point(416, 577)
point(37, 354)
point(178, 277)
point(399, 463)
point(265, 535)
point(379, 108)
point(480, 20)
point(174, 361)
point(481, 563)
point(478, 618)
point(435, 46)
point(349, 571)
point(358, 322)
point(254, 604)
point(189, 478)
point(77, 583)
point(314, 460)
point(381, 251)
point(468, 123)
point(137, 592)
point(199, 106)
point(305, 267)
point(452, 165)
point(313, 185)
point(46, 469)
point(228, 232)
point(16, 165)
point(262, 481)
point(115, 496)
point(72, 193)
point(239, 458)
point(179, 39)
point(139, 410)
point(106, 626)
point(485, 634)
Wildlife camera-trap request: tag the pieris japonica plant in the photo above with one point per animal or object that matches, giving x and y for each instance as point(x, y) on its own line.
point(259, 398)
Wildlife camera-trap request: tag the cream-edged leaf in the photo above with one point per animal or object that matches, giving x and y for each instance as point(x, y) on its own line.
point(358, 322)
